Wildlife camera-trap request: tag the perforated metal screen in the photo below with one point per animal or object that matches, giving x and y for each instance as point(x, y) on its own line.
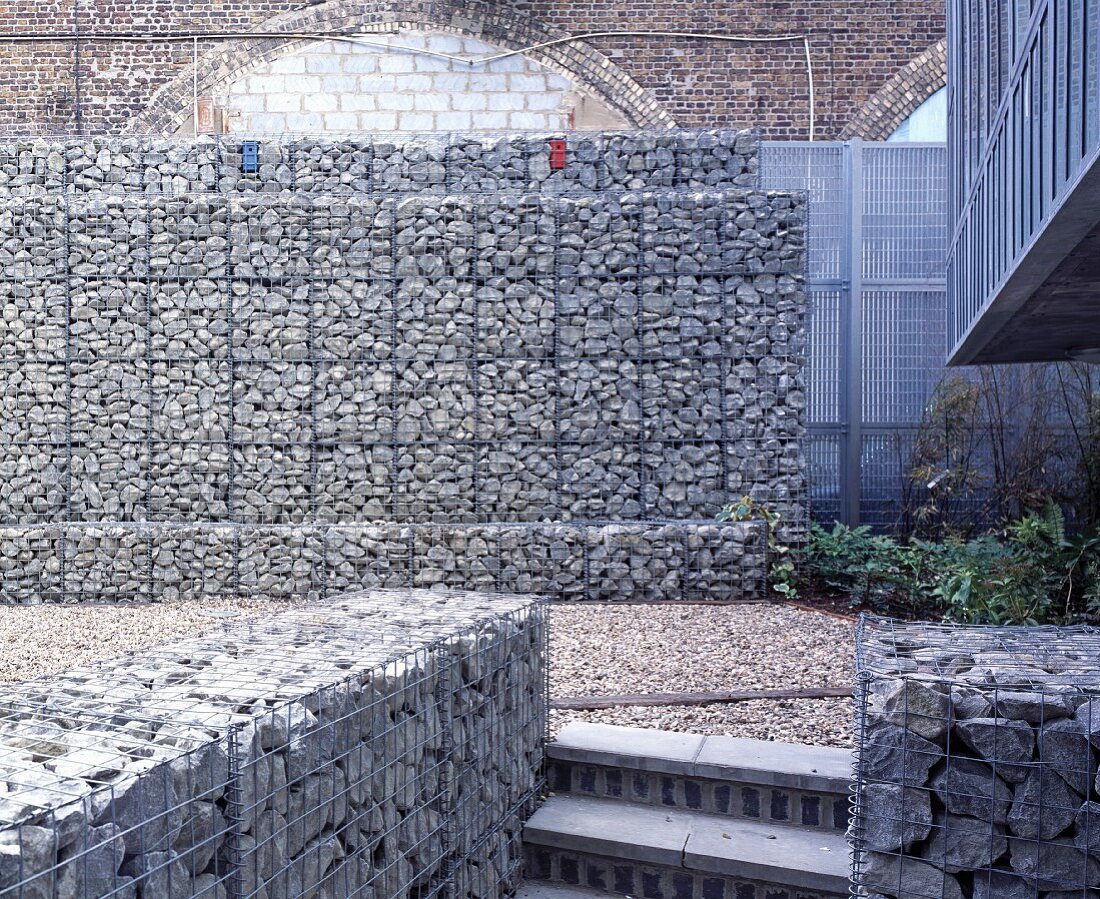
point(877, 340)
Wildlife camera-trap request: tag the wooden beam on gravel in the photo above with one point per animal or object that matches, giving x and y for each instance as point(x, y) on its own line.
point(579, 703)
point(808, 607)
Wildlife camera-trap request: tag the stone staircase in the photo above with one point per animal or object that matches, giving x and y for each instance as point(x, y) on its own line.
point(657, 815)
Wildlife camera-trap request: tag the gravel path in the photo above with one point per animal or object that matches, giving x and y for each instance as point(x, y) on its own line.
point(41, 639)
point(595, 649)
point(647, 649)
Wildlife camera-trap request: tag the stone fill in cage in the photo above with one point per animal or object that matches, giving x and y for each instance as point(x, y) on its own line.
point(977, 770)
point(267, 367)
point(382, 164)
point(382, 744)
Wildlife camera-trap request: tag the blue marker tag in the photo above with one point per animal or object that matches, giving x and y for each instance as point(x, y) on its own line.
point(250, 156)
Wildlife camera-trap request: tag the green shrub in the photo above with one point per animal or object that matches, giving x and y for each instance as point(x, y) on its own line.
point(782, 574)
point(875, 571)
point(1033, 571)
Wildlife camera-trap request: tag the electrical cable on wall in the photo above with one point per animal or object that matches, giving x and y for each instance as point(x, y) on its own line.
point(365, 40)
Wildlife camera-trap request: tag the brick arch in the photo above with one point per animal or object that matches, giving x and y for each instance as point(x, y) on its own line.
point(171, 106)
point(900, 96)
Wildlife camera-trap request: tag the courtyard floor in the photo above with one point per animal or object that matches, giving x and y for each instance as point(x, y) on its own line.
point(629, 649)
point(595, 650)
point(44, 639)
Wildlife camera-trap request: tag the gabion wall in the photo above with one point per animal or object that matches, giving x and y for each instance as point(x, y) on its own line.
point(383, 164)
point(628, 561)
point(977, 773)
point(282, 364)
point(382, 744)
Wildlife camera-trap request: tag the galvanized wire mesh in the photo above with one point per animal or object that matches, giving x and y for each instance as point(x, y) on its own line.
point(263, 362)
point(977, 767)
point(380, 164)
point(380, 744)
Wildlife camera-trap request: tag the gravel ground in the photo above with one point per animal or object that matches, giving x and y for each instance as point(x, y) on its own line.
point(647, 649)
point(595, 649)
point(41, 639)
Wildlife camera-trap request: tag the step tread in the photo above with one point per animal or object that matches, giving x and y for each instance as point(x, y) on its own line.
point(819, 768)
point(534, 889)
point(704, 843)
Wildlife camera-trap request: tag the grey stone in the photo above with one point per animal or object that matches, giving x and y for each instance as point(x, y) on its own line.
point(1087, 820)
point(958, 843)
point(968, 703)
point(145, 808)
point(1087, 715)
point(920, 707)
point(907, 878)
point(90, 867)
point(27, 855)
point(892, 754)
point(969, 787)
point(159, 874)
point(1006, 744)
point(1054, 865)
point(1043, 806)
point(1064, 747)
point(1072, 894)
point(1033, 707)
point(200, 835)
point(895, 817)
point(997, 884)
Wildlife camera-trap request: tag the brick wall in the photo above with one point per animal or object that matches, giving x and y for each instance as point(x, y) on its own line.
point(339, 86)
point(857, 47)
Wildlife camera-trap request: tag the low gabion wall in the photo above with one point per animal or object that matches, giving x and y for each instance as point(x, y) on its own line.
point(977, 769)
point(381, 744)
point(382, 164)
point(696, 561)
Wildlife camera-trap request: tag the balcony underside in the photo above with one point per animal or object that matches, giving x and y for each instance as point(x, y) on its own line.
point(1049, 306)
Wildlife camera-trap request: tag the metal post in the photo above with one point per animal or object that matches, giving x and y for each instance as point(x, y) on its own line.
point(853, 340)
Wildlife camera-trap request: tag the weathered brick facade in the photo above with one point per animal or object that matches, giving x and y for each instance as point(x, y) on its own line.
point(857, 47)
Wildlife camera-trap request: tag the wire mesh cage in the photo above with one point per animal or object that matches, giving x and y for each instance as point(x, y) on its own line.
point(272, 362)
point(379, 163)
point(977, 767)
point(383, 744)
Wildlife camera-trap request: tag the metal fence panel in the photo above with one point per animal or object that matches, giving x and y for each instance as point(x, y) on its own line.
point(820, 169)
point(877, 327)
point(903, 342)
point(904, 202)
point(824, 397)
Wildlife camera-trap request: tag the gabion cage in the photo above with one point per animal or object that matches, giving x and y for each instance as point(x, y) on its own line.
point(384, 744)
point(266, 366)
point(217, 381)
point(977, 770)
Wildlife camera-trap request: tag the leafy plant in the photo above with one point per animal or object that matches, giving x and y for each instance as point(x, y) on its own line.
point(782, 573)
point(1033, 570)
point(871, 569)
point(997, 443)
point(990, 583)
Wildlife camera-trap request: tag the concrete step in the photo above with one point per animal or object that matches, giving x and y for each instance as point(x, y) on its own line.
point(777, 783)
point(639, 850)
point(536, 889)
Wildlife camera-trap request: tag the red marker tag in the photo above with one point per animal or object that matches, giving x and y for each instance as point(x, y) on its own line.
point(557, 154)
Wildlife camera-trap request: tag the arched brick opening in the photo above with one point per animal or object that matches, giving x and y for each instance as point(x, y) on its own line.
point(895, 101)
point(172, 105)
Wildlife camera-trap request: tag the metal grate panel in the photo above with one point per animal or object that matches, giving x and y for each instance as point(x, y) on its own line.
point(820, 169)
point(877, 326)
point(903, 345)
point(904, 212)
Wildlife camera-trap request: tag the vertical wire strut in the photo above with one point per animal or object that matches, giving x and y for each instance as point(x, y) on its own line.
point(63, 537)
